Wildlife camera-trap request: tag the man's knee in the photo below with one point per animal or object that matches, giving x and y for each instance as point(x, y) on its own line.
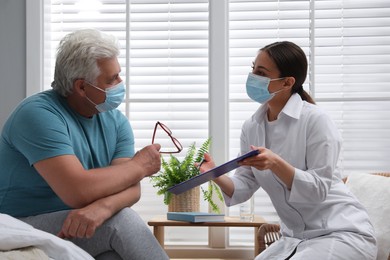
point(124, 219)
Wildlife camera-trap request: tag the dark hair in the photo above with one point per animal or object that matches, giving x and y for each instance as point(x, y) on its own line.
point(291, 62)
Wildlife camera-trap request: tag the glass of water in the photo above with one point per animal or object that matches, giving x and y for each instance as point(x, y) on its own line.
point(247, 210)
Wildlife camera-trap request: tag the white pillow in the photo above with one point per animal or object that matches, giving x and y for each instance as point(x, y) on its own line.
point(373, 191)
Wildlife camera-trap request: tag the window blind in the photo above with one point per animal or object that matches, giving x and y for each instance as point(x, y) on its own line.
point(168, 82)
point(352, 80)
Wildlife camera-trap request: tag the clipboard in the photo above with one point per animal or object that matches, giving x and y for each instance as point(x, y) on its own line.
point(210, 174)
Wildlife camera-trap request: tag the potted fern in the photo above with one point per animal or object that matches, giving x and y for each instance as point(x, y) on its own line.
point(174, 171)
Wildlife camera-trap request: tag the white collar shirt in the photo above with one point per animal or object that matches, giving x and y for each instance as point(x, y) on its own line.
point(318, 202)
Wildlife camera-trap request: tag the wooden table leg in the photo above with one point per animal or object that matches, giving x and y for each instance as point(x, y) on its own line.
point(257, 247)
point(158, 232)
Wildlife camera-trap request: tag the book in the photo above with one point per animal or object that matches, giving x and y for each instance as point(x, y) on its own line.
point(196, 217)
point(210, 174)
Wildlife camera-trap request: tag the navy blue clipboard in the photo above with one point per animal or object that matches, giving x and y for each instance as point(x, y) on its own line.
point(210, 174)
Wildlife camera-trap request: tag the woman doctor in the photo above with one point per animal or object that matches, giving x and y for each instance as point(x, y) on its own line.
point(299, 148)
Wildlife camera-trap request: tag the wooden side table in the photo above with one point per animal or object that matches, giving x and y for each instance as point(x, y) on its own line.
point(158, 224)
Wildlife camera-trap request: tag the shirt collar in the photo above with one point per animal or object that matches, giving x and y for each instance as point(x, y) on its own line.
point(292, 108)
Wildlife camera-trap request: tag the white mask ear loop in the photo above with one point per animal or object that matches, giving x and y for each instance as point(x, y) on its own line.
point(89, 83)
point(102, 90)
point(276, 92)
point(91, 101)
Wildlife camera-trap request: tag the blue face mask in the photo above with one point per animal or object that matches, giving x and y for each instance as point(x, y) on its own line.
point(257, 88)
point(114, 97)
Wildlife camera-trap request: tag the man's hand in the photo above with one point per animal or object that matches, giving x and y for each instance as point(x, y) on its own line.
point(82, 223)
point(149, 159)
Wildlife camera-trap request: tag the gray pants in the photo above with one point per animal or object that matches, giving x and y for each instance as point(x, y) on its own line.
point(124, 236)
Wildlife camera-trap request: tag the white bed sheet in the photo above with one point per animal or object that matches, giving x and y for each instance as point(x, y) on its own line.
point(16, 234)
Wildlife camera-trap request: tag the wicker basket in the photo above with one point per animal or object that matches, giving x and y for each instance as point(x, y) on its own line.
point(185, 202)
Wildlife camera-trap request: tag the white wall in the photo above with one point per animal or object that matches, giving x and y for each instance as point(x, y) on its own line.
point(12, 55)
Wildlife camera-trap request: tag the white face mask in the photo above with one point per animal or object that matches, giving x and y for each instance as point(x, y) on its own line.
point(114, 97)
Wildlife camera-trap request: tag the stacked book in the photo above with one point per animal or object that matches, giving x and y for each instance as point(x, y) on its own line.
point(196, 217)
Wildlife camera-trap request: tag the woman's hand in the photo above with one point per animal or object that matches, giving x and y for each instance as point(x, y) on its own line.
point(265, 160)
point(207, 163)
point(222, 181)
point(268, 160)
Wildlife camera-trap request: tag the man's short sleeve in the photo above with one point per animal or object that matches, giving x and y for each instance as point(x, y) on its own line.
point(39, 132)
point(125, 138)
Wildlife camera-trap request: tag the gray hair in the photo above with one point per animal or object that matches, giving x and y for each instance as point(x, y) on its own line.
point(77, 57)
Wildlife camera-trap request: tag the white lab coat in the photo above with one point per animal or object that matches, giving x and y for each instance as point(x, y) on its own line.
point(318, 203)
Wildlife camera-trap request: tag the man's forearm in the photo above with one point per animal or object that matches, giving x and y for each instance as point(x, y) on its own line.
point(120, 200)
point(83, 222)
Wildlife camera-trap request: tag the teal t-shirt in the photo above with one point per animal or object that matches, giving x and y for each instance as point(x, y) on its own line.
point(44, 126)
